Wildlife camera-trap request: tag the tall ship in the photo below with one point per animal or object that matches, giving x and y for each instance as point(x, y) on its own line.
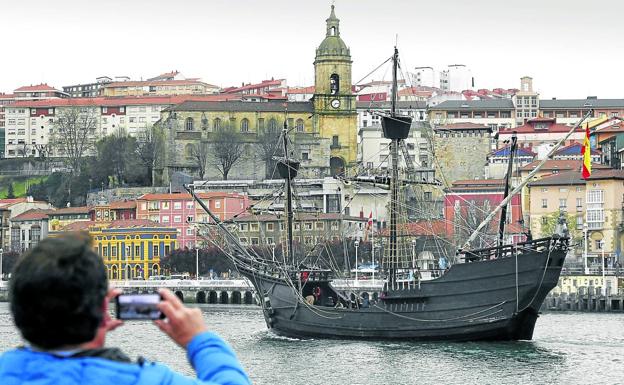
point(492, 293)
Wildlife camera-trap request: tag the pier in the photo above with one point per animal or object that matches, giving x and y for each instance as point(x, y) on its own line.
point(588, 299)
point(219, 291)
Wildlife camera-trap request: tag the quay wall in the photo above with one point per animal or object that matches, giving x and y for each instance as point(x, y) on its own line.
point(586, 299)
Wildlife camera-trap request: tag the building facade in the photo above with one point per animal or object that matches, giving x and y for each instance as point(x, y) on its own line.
point(182, 213)
point(130, 249)
point(28, 228)
point(461, 151)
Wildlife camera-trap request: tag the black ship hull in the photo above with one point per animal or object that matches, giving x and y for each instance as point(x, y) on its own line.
point(495, 297)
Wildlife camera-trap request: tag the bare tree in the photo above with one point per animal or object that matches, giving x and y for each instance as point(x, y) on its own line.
point(73, 135)
point(269, 147)
point(200, 153)
point(228, 148)
point(149, 147)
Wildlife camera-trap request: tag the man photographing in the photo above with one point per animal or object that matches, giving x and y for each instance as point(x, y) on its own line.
point(59, 300)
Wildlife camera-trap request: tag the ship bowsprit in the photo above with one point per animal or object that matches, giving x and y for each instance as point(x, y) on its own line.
point(487, 299)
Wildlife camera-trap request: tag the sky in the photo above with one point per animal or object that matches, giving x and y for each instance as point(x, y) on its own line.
point(572, 48)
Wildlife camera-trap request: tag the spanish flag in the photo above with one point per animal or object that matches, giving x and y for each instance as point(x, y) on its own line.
point(586, 151)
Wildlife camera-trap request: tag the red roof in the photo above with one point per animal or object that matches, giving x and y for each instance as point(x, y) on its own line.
point(125, 101)
point(529, 128)
point(38, 87)
point(120, 224)
point(119, 205)
point(264, 83)
point(147, 83)
point(560, 165)
point(32, 215)
point(301, 90)
point(71, 210)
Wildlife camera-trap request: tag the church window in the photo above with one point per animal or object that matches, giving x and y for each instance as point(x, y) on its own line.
point(217, 124)
point(260, 124)
point(332, 31)
point(335, 141)
point(244, 127)
point(299, 125)
point(189, 124)
point(189, 149)
point(334, 81)
point(272, 125)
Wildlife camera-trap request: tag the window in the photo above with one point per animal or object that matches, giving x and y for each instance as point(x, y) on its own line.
point(189, 125)
point(244, 127)
point(544, 203)
point(320, 226)
point(165, 219)
point(334, 84)
point(579, 203)
point(177, 219)
point(243, 226)
point(595, 209)
point(254, 226)
point(137, 251)
point(217, 204)
point(599, 244)
point(113, 251)
point(335, 141)
point(300, 127)
point(307, 225)
point(579, 222)
point(165, 205)
point(254, 241)
point(104, 110)
point(189, 231)
point(155, 250)
point(272, 125)
point(260, 124)
point(177, 205)
point(270, 226)
point(216, 124)
point(189, 205)
point(563, 203)
point(544, 220)
point(105, 251)
point(305, 156)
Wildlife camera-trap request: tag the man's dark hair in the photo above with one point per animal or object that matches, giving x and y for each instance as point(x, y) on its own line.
point(57, 290)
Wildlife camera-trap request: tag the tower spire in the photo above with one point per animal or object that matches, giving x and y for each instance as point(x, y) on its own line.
point(333, 24)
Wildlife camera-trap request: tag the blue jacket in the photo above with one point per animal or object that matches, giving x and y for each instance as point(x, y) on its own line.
point(214, 362)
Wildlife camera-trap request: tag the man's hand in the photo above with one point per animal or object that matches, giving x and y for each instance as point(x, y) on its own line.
point(109, 323)
point(181, 323)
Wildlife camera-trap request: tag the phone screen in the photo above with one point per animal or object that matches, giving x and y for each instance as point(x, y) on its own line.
point(138, 307)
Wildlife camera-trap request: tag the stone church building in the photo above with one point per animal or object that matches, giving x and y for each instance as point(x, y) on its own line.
point(322, 131)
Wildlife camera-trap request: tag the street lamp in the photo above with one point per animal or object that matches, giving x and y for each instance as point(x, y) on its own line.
point(356, 244)
point(1, 251)
point(197, 263)
point(604, 288)
point(272, 246)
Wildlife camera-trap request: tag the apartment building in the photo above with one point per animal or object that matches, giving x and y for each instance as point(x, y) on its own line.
point(497, 114)
point(181, 212)
point(30, 124)
point(28, 228)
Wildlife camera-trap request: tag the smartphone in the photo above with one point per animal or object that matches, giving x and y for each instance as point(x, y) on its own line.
point(138, 306)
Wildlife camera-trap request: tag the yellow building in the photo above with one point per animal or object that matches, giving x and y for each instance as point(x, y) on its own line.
point(571, 284)
point(130, 249)
point(323, 130)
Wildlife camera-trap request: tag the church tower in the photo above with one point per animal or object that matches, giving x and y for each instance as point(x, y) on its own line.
point(334, 102)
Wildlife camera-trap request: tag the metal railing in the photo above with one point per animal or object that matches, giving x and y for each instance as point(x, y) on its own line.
point(177, 283)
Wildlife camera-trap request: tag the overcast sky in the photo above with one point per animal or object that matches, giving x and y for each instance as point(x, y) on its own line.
point(571, 48)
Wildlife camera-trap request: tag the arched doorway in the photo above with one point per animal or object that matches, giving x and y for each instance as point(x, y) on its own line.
point(213, 297)
point(180, 295)
point(224, 297)
point(236, 298)
point(201, 297)
point(248, 298)
point(337, 166)
point(155, 269)
point(114, 272)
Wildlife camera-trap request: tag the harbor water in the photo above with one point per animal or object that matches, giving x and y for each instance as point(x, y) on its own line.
point(568, 348)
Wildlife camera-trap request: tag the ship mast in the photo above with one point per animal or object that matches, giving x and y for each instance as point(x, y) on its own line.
point(503, 218)
point(395, 128)
point(288, 169)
